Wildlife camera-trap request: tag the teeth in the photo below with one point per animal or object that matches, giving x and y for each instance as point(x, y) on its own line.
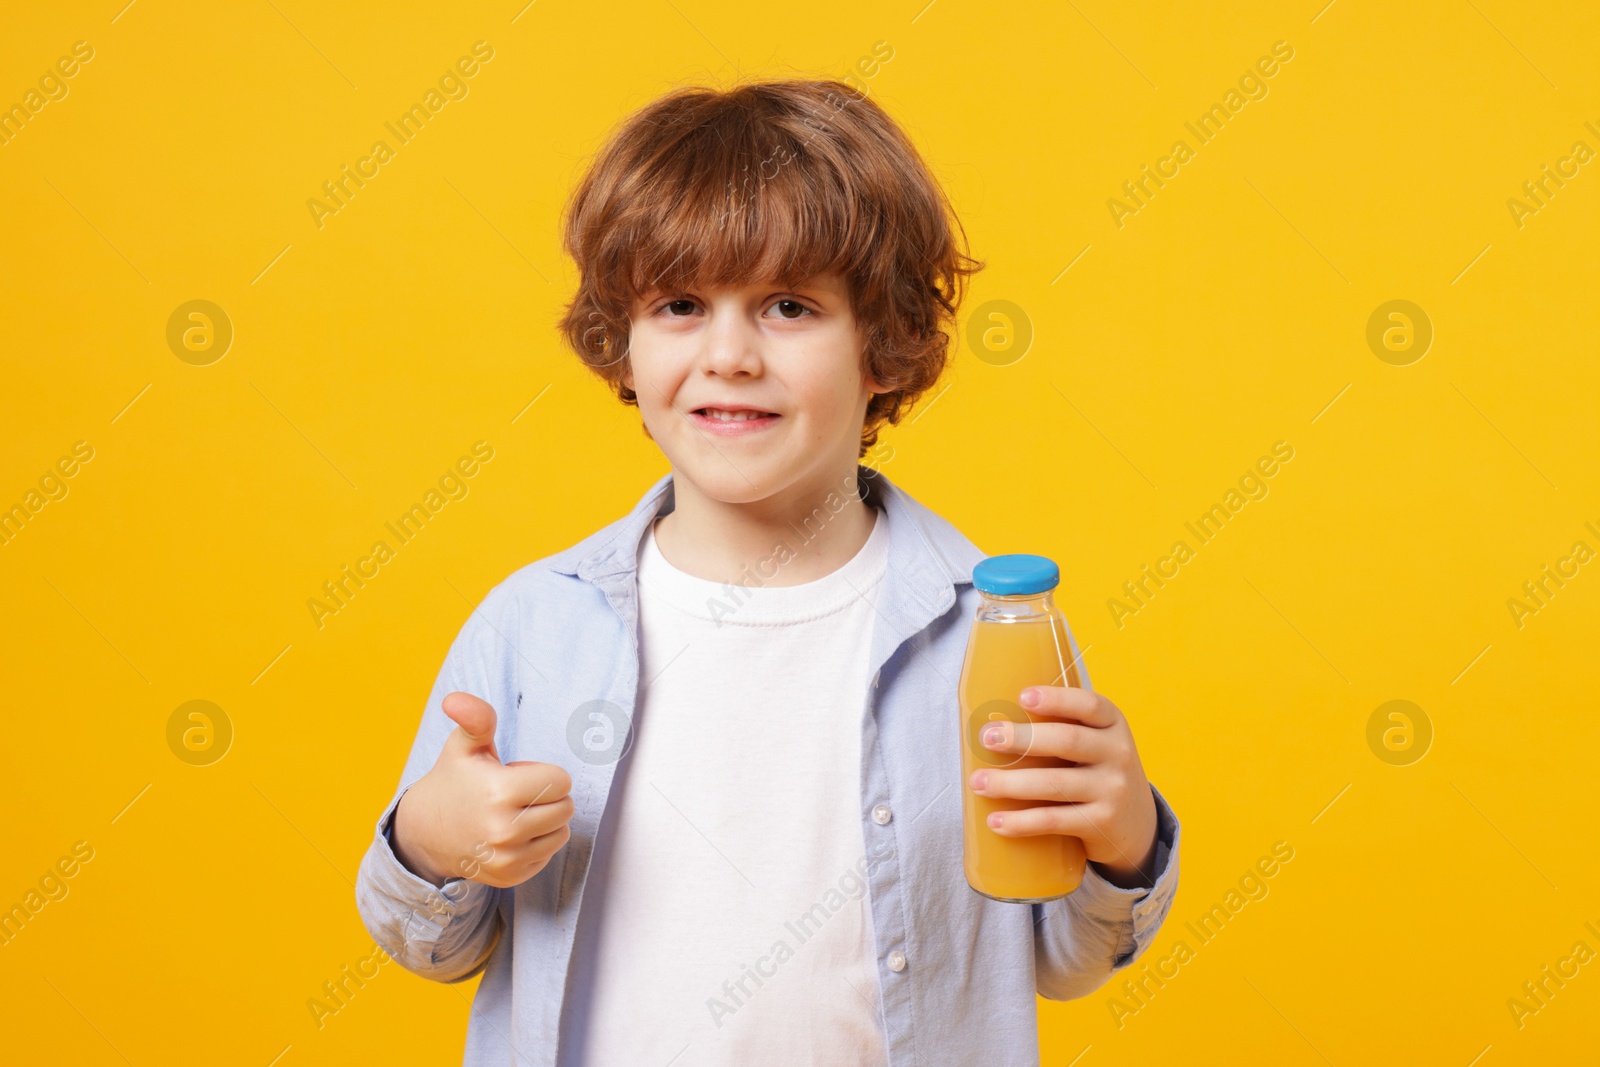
point(730, 416)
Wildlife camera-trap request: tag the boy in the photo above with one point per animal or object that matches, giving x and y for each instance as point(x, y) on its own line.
point(728, 827)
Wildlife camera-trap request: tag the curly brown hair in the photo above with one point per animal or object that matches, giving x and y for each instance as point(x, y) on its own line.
point(779, 180)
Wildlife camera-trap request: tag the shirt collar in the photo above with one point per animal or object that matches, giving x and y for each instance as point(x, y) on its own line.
point(928, 557)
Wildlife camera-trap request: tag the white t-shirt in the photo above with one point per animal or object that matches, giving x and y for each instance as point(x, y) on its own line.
point(732, 924)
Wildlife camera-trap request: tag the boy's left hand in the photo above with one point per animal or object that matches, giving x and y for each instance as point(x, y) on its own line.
point(1109, 802)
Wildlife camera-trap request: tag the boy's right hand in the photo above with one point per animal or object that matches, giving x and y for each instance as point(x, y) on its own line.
point(473, 817)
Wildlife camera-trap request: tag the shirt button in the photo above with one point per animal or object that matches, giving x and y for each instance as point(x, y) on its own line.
point(897, 961)
point(881, 814)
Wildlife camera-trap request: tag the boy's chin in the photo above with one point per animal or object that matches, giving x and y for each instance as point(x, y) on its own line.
point(728, 485)
point(751, 481)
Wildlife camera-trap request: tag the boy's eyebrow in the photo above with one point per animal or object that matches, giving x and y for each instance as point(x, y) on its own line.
point(814, 283)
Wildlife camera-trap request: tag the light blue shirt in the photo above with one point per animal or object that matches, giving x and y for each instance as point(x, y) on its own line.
point(957, 972)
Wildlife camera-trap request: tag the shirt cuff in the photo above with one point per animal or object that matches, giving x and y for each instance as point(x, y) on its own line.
point(431, 908)
point(1096, 898)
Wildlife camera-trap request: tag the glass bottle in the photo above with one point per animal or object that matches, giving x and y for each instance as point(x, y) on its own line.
point(1019, 638)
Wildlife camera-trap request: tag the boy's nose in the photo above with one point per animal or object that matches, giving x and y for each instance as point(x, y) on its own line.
point(732, 345)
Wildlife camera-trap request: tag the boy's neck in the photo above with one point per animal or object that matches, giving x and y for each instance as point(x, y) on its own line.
point(733, 542)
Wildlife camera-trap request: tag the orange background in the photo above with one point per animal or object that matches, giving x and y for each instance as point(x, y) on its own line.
point(1167, 354)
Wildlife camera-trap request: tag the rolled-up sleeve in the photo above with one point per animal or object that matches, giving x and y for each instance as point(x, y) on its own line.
point(447, 932)
point(1081, 940)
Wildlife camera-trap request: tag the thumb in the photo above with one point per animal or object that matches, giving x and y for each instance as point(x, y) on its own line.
point(476, 718)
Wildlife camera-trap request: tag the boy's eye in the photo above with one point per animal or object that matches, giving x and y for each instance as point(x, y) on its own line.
point(788, 309)
point(791, 309)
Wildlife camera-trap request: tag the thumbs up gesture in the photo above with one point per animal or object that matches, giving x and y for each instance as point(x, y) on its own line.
point(474, 817)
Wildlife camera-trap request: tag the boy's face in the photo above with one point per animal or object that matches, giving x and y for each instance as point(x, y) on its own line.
point(788, 361)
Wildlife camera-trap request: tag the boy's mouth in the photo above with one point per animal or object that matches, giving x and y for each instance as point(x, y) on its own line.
point(727, 421)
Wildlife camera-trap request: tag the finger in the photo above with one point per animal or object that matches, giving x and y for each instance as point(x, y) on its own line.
point(1069, 784)
point(514, 865)
point(1070, 702)
point(529, 782)
point(544, 846)
point(539, 819)
point(476, 719)
point(1060, 740)
point(1072, 820)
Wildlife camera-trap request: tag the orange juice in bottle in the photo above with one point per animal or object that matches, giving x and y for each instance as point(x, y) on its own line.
point(1018, 639)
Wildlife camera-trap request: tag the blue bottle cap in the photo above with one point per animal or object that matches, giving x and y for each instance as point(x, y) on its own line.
point(1016, 575)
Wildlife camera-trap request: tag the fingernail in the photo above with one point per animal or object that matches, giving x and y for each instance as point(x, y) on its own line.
point(995, 819)
point(1030, 697)
point(994, 735)
point(980, 780)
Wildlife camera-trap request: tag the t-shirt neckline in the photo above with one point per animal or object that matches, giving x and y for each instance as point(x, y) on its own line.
point(752, 603)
